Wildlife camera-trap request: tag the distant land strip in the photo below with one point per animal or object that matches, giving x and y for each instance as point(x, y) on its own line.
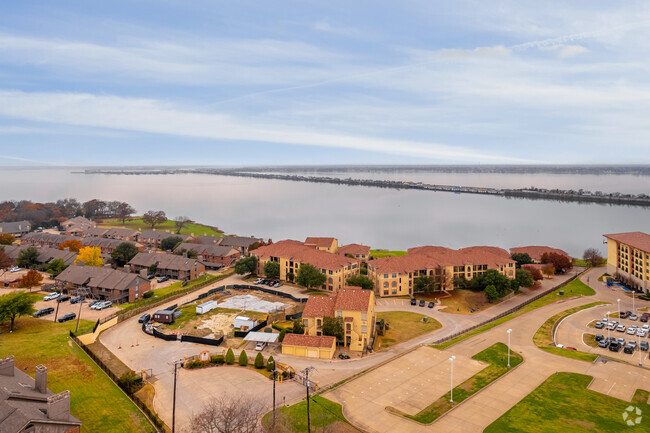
point(615, 198)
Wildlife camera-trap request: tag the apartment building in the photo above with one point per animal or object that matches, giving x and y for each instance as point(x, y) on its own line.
point(170, 265)
point(323, 244)
point(394, 276)
point(103, 283)
point(537, 252)
point(212, 255)
point(358, 251)
point(153, 238)
point(291, 254)
point(628, 254)
point(16, 228)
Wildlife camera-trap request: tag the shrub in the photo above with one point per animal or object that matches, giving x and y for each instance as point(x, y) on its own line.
point(270, 364)
point(129, 382)
point(243, 358)
point(298, 327)
point(194, 364)
point(217, 360)
point(281, 337)
point(148, 294)
point(259, 361)
point(230, 357)
point(268, 330)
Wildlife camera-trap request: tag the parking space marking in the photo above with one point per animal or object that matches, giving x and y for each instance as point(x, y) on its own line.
point(610, 389)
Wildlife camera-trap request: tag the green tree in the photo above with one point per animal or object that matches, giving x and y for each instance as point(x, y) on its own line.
point(259, 361)
point(424, 284)
point(13, 305)
point(291, 276)
point(593, 257)
point(230, 357)
point(7, 239)
point(521, 259)
point(27, 258)
point(130, 382)
point(524, 278)
point(333, 326)
point(309, 276)
point(494, 278)
point(168, 244)
point(491, 293)
point(272, 269)
point(361, 281)
point(123, 211)
point(123, 253)
point(281, 336)
point(154, 217)
point(243, 358)
point(246, 265)
point(298, 327)
point(270, 363)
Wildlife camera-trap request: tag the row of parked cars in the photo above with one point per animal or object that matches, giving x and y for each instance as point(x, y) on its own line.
point(422, 303)
point(94, 305)
point(615, 344)
point(49, 310)
point(270, 283)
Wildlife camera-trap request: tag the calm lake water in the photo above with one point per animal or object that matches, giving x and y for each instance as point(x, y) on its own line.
point(381, 218)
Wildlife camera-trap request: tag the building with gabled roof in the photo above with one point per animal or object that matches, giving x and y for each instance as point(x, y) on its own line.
point(358, 251)
point(45, 254)
point(537, 252)
point(323, 244)
point(212, 255)
point(16, 228)
point(628, 255)
point(77, 226)
point(169, 265)
point(153, 238)
point(46, 239)
point(104, 283)
point(322, 347)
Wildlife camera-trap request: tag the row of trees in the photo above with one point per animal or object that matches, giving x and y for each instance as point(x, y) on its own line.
point(52, 213)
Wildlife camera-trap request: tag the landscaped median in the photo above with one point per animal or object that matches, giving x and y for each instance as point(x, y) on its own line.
point(325, 416)
point(543, 338)
point(497, 358)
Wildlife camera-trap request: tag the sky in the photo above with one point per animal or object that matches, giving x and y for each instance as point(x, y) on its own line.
point(324, 82)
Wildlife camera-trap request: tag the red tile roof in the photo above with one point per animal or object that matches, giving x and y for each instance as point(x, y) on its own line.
point(638, 240)
point(354, 249)
point(319, 306)
point(320, 242)
point(308, 340)
point(297, 251)
point(537, 251)
point(346, 299)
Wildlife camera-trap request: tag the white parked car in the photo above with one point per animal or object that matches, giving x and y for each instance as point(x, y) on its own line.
point(260, 345)
point(631, 331)
point(14, 269)
point(52, 296)
point(621, 328)
point(641, 333)
point(103, 305)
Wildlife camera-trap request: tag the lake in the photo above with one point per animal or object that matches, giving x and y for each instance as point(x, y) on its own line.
point(381, 218)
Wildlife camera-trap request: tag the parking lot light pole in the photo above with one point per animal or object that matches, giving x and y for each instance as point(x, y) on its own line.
point(275, 378)
point(608, 326)
point(509, 331)
point(638, 337)
point(633, 309)
point(451, 396)
point(618, 301)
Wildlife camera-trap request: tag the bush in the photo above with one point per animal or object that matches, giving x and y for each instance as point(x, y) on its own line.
point(148, 294)
point(243, 358)
point(217, 360)
point(194, 364)
point(259, 361)
point(230, 357)
point(281, 337)
point(129, 382)
point(270, 364)
point(298, 327)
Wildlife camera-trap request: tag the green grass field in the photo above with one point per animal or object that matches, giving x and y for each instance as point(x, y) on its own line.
point(378, 254)
point(564, 404)
point(95, 399)
point(137, 223)
point(324, 413)
point(404, 326)
point(497, 358)
point(574, 288)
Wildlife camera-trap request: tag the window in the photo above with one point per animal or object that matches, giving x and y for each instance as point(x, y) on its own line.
point(394, 284)
point(331, 272)
point(339, 313)
point(364, 329)
point(330, 280)
point(385, 275)
point(348, 327)
point(394, 275)
point(394, 292)
point(305, 322)
point(385, 284)
point(319, 323)
point(385, 292)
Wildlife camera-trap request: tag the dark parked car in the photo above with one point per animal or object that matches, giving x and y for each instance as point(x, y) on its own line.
point(163, 279)
point(67, 317)
point(43, 312)
point(431, 304)
point(344, 356)
point(643, 346)
point(77, 299)
point(645, 317)
point(151, 276)
point(625, 314)
point(413, 301)
point(628, 349)
point(422, 303)
point(144, 318)
point(614, 346)
point(63, 298)
point(599, 337)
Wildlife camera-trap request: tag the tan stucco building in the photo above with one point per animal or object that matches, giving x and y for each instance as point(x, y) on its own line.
point(628, 254)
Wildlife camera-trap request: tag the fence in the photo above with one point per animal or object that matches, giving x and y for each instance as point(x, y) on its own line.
point(293, 316)
point(166, 337)
point(200, 340)
point(242, 334)
point(505, 313)
point(269, 291)
point(151, 415)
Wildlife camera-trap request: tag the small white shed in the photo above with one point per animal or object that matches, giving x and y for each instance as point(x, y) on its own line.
point(244, 323)
point(205, 307)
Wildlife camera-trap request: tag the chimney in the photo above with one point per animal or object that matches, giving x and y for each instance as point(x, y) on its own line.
point(58, 406)
point(7, 366)
point(199, 258)
point(144, 272)
point(40, 379)
point(127, 269)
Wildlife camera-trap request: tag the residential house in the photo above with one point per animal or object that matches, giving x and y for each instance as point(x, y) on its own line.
point(291, 254)
point(355, 306)
point(77, 226)
point(46, 239)
point(103, 283)
point(240, 243)
point(628, 255)
point(16, 228)
point(214, 256)
point(45, 254)
point(28, 406)
point(359, 252)
point(536, 252)
point(122, 234)
point(170, 265)
point(323, 244)
point(322, 347)
point(153, 238)
point(394, 276)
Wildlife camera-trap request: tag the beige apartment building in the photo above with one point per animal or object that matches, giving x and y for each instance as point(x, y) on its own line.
point(628, 254)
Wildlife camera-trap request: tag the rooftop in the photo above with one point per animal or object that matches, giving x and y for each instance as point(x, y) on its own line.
point(164, 261)
point(308, 340)
point(320, 242)
point(346, 299)
point(638, 240)
point(297, 251)
point(354, 249)
point(537, 251)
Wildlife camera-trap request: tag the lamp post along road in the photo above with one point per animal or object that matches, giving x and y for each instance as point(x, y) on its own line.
point(451, 395)
point(509, 331)
point(608, 339)
point(618, 301)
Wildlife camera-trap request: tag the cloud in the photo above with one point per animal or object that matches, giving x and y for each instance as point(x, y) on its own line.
point(21, 159)
point(495, 51)
point(324, 25)
point(566, 51)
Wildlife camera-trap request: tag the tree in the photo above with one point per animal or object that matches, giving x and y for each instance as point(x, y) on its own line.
point(298, 326)
point(27, 258)
point(536, 273)
point(521, 259)
point(91, 256)
point(7, 239)
point(494, 278)
point(191, 253)
point(270, 364)
point(123, 253)
point(230, 357)
point(180, 221)
point(130, 382)
point(259, 361)
point(73, 245)
point(548, 270)
point(246, 265)
point(14, 305)
point(153, 217)
point(5, 261)
point(491, 293)
point(361, 281)
point(333, 326)
point(55, 267)
point(170, 243)
point(593, 257)
point(123, 211)
point(424, 284)
point(228, 414)
point(272, 269)
point(243, 358)
point(560, 262)
point(309, 276)
point(30, 279)
point(291, 276)
point(524, 278)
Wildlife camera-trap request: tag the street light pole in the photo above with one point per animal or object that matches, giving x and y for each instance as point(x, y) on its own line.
point(638, 337)
point(618, 301)
point(509, 331)
point(275, 377)
point(176, 364)
point(608, 339)
point(633, 309)
point(451, 396)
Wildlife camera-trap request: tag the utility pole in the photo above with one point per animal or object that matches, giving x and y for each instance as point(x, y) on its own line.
point(78, 317)
point(176, 364)
point(56, 314)
point(275, 378)
point(307, 383)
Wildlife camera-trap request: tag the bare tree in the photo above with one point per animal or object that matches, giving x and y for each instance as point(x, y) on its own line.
point(153, 217)
point(123, 211)
point(593, 257)
point(228, 415)
point(179, 222)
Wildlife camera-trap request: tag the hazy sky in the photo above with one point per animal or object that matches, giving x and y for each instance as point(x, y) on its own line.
point(324, 82)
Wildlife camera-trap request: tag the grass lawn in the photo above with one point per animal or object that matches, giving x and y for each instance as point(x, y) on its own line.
point(564, 404)
point(404, 325)
point(497, 358)
point(543, 338)
point(137, 223)
point(324, 413)
point(590, 339)
point(378, 254)
point(574, 288)
point(95, 399)
point(463, 301)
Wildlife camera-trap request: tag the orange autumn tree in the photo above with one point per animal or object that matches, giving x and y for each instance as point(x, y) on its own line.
point(30, 279)
point(91, 256)
point(7, 239)
point(73, 244)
